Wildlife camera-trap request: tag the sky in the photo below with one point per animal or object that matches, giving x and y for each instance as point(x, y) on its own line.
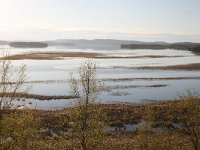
point(145, 20)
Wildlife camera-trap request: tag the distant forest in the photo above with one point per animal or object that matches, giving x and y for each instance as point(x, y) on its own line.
point(196, 48)
point(28, 45)
point(178, 46)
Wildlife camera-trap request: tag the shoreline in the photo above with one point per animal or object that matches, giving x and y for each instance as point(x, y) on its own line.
point(135, 109)
point(63, 55)
point(184, 67)
point(188, 67)
point(37, 97)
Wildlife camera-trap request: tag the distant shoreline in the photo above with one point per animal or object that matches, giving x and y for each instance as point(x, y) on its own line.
point(177, 46)
point(105, 44)
point(28, 45)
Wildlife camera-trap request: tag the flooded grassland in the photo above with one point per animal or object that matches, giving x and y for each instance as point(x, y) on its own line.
point(128, 76)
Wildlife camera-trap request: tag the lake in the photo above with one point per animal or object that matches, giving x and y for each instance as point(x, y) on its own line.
point(131, 85)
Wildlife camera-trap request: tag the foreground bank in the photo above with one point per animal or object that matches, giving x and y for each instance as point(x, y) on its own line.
point(163, 125)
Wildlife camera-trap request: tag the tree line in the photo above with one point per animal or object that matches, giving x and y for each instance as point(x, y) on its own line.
point(28, 45)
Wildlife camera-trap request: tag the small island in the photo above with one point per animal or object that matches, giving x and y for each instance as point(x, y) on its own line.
point(28, 45)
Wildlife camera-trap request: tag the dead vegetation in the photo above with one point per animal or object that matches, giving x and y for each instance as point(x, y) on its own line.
point(189, 67)
point(168, 78)
point(53, 126)
point(35, 96)
point(62, 55)
point(52, 55)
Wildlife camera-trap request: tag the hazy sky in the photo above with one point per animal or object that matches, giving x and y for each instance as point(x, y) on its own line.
point(149, 20)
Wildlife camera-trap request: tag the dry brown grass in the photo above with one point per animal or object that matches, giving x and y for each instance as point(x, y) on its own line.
point(53, 124)
point(195, 66)
point(52, 55)
point(61, 55)
point(169, 78)
point(35, 96)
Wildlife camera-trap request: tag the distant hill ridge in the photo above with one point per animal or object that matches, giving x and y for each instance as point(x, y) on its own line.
point(3, 42)
point(106, 44)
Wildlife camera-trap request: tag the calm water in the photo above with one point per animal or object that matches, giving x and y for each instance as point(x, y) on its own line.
point(133, 91)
